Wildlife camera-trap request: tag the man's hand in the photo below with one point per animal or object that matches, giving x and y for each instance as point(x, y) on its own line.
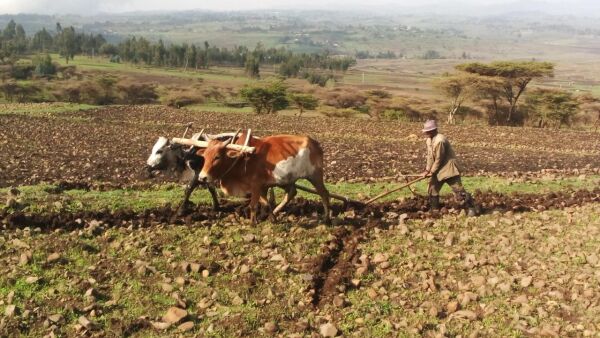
point(425, 174)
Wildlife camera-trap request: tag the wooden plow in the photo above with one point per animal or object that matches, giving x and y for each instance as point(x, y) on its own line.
point(196, 142)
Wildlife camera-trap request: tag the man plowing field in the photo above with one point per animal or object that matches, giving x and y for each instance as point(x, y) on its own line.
point(443, 168)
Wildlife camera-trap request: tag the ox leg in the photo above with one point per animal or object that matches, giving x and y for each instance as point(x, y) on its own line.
point(272, 198)
point(265, 203)
point(254, 199)
point(192, 185)
point(213, 194)
point(317, 182)
point(290, 193)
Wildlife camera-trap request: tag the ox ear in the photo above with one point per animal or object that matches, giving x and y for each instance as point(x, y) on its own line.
point(233, 153)
point(200, 151)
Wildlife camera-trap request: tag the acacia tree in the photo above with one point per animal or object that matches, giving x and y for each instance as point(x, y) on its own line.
point(591, 105)
point(458, 88)
point(554, 105)
point(266, 98)
point(487, 91)
point(515, 76)
point(303, 102)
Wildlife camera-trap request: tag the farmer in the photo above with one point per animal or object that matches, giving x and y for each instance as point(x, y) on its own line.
point(442, 167)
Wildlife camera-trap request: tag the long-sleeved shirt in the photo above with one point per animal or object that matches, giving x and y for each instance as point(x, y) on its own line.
point(441, 160)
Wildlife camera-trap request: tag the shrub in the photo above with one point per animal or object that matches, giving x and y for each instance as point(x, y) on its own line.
point(182, 99)
point(142, 93)
point(401, 114)
point(345, 99)
point(318, 78)
point(90, 93)
point(380, 94)
point(67, 72)
point(340, 113)
point(69, 94)
point(21, 72)
point(21, 93)
point(44, 66)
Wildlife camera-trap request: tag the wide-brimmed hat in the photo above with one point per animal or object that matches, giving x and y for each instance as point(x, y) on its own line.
point(429, 126)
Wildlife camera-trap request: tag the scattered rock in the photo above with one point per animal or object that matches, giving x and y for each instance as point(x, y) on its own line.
point(361, 270)
point(464, 314)
point(166, 287)
point(160, 325)
point(195, 267)
point(53, 257)
point(174, 315)
point(379, 258)
point(328, 330)
point(32, 280)
point(270, 327)
point(452, 307)
point(25, 258)
point(185, 326)
point(449, 240)
point(277, 258)
point(249, 238)
point(526, 281)
point(338, 301)
point(10, 311)
point(56, 318)
point(86, 323)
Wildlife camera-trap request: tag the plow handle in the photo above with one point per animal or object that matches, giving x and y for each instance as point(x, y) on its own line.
point(385, 193)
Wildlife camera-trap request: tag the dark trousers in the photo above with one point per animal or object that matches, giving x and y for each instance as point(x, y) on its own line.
point(455, 183)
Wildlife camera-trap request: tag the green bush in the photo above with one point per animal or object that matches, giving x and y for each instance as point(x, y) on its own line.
point(266, 98)
point(44, 66)
point(21, 72)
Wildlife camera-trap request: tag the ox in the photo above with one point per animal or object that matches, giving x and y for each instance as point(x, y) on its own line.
point(278, 161)
point(176, 157)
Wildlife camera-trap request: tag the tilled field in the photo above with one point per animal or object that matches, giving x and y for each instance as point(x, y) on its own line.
point(111, 144)
point(527, 267)
point(390, 269)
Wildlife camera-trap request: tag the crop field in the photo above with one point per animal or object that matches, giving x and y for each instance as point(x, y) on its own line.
point(91, 246)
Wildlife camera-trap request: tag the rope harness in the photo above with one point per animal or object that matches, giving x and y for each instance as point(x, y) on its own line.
point(237, 159)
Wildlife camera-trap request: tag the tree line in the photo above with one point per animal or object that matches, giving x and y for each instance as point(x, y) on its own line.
point(138, 50)
point(65, 41)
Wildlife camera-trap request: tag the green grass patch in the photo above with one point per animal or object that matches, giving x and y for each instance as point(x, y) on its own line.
point(42, 109)
point(40, 199)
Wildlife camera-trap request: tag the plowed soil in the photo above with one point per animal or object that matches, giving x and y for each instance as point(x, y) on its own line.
point(111, 144)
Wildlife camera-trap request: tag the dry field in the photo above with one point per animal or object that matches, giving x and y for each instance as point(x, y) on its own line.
point(89, 245)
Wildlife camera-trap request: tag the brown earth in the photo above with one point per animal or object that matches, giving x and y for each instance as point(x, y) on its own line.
point(106, 148)
point(111, 145)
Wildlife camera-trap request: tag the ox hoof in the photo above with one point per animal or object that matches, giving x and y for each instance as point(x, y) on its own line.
point(183, 211)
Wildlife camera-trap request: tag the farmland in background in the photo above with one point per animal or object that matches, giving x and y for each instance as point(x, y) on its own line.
point(91, 245)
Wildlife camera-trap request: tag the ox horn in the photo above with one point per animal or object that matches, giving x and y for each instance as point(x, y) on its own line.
point(187, 128)
point(226, 143)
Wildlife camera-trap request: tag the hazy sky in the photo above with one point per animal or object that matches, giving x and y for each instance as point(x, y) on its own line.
point(95, 6)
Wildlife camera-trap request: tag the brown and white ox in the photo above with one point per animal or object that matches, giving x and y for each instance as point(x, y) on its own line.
point(278, 160)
